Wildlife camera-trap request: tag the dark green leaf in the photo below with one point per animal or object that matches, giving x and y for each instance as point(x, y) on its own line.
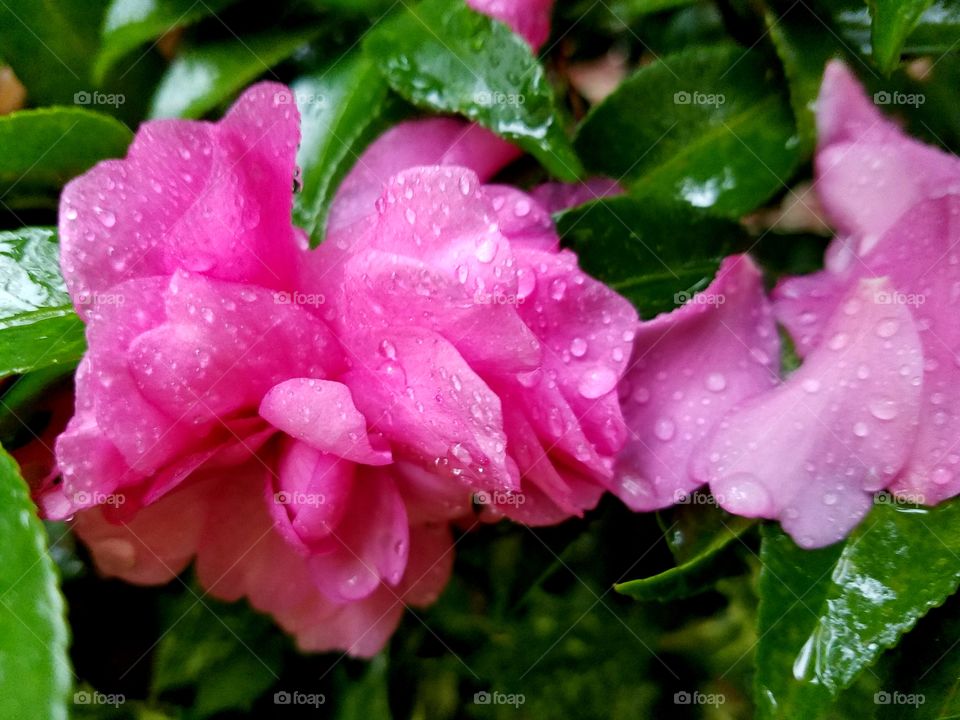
point(342, 110)
point(444, 56)
point(203, 77)
point(826, 615)
point(893, 21)
point(131, 23)
point(656, 255)
point(935, 32)
point(34, 665)
point(367, 697)
point(229, 654)
point(701, 537)
point(38, 327)
point(43, 149)
point(708, 127)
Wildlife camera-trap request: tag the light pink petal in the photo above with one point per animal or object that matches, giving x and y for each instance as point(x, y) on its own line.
point(528, 18)
point(428, 496)
point(846, 421)
point(421, 394)
point(868, 171)
point(689, 367)
point(587, 331)
point(432, 141)
point(430, 564)
point(370, 545)
point(321, 413)
point(209, 198)
point(153, 547)
point(309, 493)
point(223, 345)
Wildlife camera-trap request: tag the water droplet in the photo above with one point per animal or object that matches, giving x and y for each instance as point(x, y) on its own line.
point(716, 382)
point(558, 289)
point(597, 382)
point(811, 385)
point(486, 250)
point(887, 328)
point(578, 347)
point(860, 429)
point(664, 429)
point(883, 408)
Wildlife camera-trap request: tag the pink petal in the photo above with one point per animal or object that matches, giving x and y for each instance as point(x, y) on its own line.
point(689, 367)
point(321, 413)
point(555, 196)
point(523, 220)
point(210, 198)
point(846, 419)
point(421, 394)
point(432, 141)
point(528, 18)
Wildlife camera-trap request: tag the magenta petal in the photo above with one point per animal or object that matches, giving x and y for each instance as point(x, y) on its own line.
point(321, 413)
point(689, 367)
point(556, 196)
point(523, 220)
point(210, 198)
point(422, 395)
point(370, 544)
point(528, 18)
point(433, 141)
point(846, 419)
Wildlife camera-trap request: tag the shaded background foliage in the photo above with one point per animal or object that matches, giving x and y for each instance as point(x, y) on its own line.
point(705, 605)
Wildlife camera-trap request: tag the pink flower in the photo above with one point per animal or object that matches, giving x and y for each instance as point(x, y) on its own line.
point(528, 18)
point(305, 425)
point(894, 201)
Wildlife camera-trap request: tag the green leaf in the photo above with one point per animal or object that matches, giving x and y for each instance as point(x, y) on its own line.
point(43, 149)
point(227, 653)
point(50, 45)
point(205, 76)
point(367, 697)
point(893, 21)
point(131, 23)
point(34, 666)
point(707, 127)
point(804, 47)
point(342, 110)
point(444, 56)
point(702, 538)
point(934, 33)
point(38, 327)
point(633, 246)
point(826, 615)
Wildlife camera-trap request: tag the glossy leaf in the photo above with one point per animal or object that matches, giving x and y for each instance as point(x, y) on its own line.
point(34, 663)
point(935, 31)
point(826, 615)
point(131, 23)
point(43, 149)
point(444, 56)
point(342, 110)
point(38, 327)
point(893, 21)
point(648, 251)
point(205, 76)
point(707, 127)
